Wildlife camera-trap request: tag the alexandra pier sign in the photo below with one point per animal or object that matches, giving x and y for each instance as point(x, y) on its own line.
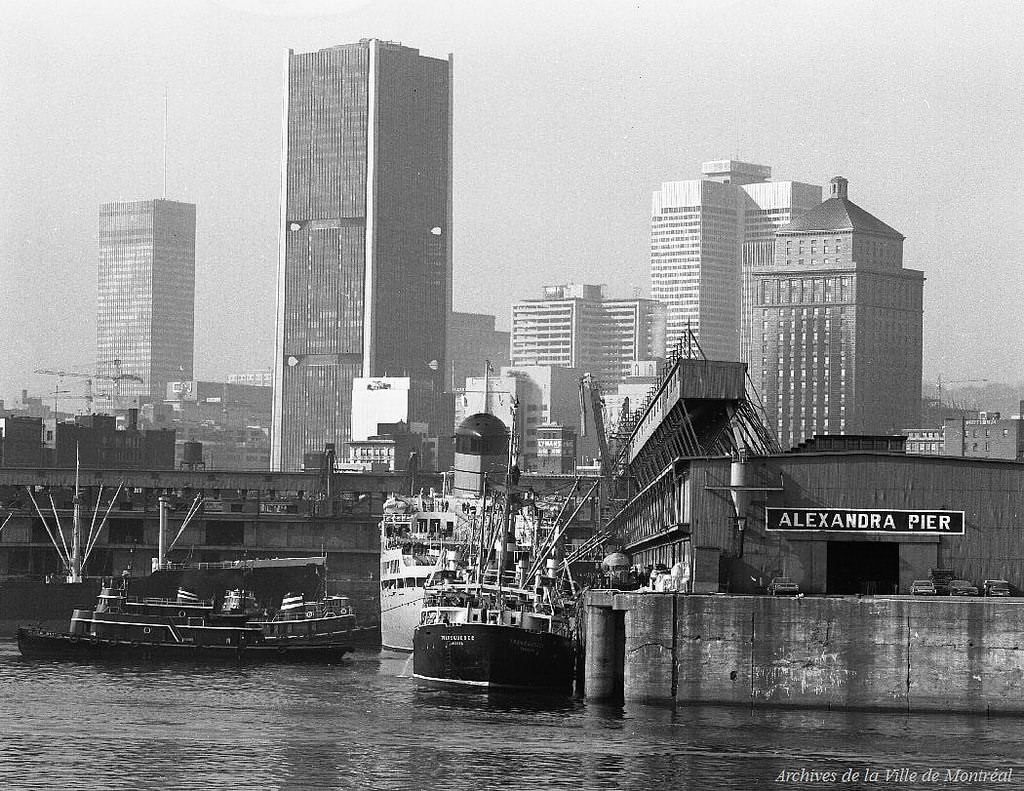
point(857, 520)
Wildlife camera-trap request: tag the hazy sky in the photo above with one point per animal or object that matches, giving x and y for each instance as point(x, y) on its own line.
point(567, 116)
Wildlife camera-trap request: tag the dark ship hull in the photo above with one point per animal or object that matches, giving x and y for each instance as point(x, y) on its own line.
point(47, 604)
point(41, 644)
point(490, 656)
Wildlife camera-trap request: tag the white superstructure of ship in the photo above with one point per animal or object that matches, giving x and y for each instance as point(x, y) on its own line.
point(434, 532)
point(420, 535)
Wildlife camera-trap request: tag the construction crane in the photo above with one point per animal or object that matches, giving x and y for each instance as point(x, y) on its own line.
point(118, 376)
point(89, 377)
point(590, 390)
point(956, 382)
point(56, 393)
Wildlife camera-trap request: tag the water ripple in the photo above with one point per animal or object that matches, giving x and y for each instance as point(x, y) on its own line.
point(364, 724)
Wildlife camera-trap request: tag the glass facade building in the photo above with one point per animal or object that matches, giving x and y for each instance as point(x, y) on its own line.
point(707, 235)
point(145, 324)
point(364, 280)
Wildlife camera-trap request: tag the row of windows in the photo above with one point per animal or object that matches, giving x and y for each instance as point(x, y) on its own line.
point(812, 245)
point(802, 290)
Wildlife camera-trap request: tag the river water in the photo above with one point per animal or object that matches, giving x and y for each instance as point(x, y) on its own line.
point(366, 724)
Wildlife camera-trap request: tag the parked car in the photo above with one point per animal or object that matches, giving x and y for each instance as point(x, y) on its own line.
point(783, 586)
point(941, 579)
point(922, 588)
point(962, 588)
point(996, 588)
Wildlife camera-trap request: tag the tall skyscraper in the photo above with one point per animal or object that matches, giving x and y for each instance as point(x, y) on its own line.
point(705, 233)
point(839, 322)
point(364, 281)
point(575, 326)
point(146, 295)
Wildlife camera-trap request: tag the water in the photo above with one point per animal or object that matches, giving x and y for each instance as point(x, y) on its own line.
point(367, 725)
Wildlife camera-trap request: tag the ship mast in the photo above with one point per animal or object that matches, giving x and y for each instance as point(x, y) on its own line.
point(75, 565)
point(487, 386)
point(506, 517)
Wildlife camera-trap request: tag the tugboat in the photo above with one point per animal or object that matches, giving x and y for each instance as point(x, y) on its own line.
point(185, 628)
point(504, 622)
point(298, 623)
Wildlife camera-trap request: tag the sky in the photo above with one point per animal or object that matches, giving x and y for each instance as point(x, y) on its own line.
point(566, 117)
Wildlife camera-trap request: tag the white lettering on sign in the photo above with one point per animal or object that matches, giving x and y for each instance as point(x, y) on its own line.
point(928, 522)
point(868, 520)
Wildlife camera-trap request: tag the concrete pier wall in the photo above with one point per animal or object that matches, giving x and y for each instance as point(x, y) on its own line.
point(826, 652)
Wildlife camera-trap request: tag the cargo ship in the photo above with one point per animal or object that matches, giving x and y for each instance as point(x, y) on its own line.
point(503, 620)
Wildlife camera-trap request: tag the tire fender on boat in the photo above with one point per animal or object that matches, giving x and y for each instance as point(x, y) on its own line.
point(94, 640)
point(135, 643)
point(282, 649)
point(73, 638)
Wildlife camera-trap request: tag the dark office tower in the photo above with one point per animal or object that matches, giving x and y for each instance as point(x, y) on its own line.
point(364, 283)
point(146, 298)
point(839, 324)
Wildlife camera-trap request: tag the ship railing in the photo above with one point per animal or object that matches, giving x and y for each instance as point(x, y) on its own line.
point(414, 539)
point(508, 577)
point(170, 602)
point(398, 519)
point(247, 563)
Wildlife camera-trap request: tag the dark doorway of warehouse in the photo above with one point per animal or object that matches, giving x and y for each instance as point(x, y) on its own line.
point(866, 567)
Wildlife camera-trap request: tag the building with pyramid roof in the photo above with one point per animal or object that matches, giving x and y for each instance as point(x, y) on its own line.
point(838, 349)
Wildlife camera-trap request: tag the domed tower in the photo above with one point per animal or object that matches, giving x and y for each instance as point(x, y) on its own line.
point(481, 449)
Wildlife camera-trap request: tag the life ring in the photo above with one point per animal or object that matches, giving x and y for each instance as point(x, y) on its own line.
point(309, 613)
point(181, 613)
point(146, 630)
point(343, 610)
